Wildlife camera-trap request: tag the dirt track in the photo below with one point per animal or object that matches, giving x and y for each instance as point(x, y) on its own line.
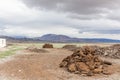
point(45, 66)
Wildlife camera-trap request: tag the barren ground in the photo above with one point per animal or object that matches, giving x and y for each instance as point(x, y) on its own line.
point(45, 66)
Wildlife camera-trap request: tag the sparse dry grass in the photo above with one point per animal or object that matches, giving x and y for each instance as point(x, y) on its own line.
point(10, 51)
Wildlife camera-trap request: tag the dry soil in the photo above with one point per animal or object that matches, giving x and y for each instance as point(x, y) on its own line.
point(45, 66)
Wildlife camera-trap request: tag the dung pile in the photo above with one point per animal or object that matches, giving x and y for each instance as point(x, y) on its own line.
point(47, 46)
point(85, 62)
point(98, 50)
point(70, 47)
point(111, 51)
point(35, 49)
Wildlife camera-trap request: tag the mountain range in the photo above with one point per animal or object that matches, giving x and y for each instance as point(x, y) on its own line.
point(58, 38)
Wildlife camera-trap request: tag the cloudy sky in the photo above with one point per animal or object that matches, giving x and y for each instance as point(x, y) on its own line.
point(75, 18)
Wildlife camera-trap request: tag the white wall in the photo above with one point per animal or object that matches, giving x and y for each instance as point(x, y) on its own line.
point(2, 43)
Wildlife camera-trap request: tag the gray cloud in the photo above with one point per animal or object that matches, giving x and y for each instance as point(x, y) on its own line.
point(76, 18)
point(101, 31)
point(82, 9)
point(85, 17)
point(76, 6)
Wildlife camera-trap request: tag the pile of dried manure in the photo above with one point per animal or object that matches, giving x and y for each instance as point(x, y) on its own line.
point(47, 46)
point(85, 62)
point(109, 51)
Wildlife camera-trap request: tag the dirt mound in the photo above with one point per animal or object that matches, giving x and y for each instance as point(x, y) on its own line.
point(85, 62)
point(70, 47)
point(35, 49)
point(47, 46)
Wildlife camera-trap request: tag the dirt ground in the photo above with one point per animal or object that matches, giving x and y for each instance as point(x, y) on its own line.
point(26, 65)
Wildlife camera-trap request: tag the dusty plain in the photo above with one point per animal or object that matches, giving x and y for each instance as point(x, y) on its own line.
point(17, 63)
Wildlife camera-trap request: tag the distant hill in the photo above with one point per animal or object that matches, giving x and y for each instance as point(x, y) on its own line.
point(64, 38)
point(54, 38)
point(19, 39)
point(57, 38)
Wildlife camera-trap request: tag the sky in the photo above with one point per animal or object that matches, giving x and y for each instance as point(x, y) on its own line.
point(74, 18)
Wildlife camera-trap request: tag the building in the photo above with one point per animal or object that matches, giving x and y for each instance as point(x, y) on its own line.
point(2, 42)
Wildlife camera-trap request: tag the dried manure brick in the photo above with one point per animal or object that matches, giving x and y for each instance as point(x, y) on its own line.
point(47, 46)
point(85, 62)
